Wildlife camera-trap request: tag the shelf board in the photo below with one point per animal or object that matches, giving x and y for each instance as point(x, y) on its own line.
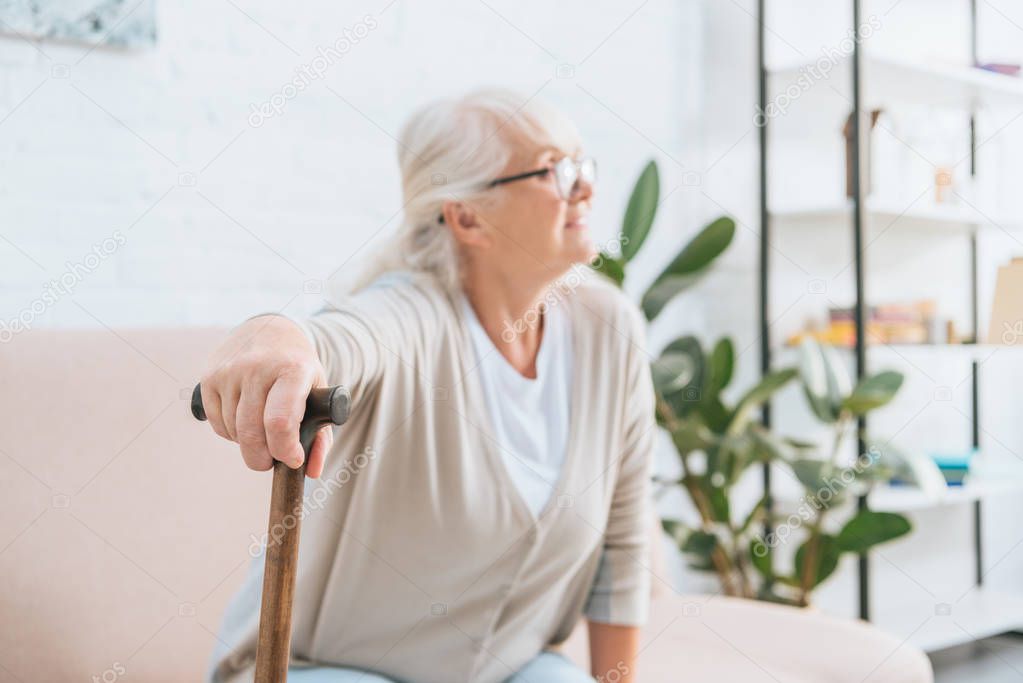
point(889, 214)
point(980, 351)
point(887, 81)
point(982, 613)
point(909, 498)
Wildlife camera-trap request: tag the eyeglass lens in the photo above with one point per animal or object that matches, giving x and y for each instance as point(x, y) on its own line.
point(569, 172)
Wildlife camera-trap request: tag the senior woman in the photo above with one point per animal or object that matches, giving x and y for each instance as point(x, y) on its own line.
point(491, 486)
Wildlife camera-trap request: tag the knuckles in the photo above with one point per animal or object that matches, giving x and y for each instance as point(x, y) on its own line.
point(280, 423)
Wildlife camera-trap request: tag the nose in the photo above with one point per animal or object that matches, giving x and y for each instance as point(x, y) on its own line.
point(581, 191)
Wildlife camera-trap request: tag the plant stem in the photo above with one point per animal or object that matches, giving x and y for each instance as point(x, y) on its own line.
point(741, 568)
point(718, 556)
point(813, 544)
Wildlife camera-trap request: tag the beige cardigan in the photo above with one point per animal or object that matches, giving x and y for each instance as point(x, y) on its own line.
point(419, 559)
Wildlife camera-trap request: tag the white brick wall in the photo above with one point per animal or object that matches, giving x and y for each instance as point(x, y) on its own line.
point(93, 142)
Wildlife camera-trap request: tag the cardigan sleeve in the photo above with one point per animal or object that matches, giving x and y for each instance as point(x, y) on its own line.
point(621, 589)
point(357, 336)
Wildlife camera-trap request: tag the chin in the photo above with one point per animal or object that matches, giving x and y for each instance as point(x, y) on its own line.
point(583, 256)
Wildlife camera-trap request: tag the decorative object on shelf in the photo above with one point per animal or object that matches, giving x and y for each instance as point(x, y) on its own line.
point(95, 22)
point(954, 467)
point(1006, 324)
point(865, 156)
point(718, 440)
point(915, 470)
point(944, 185)
point(1006, 69)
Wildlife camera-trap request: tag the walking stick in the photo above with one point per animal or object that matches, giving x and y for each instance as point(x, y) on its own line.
point(325, 405)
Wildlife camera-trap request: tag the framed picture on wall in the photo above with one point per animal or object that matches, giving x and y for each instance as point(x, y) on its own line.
point(119, 23)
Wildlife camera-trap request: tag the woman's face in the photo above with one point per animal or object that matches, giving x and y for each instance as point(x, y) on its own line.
point(532, 229)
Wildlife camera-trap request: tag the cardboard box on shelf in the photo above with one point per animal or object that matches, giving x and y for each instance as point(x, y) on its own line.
point(1006, 326)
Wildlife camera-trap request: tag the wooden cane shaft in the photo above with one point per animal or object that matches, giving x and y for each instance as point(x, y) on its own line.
point(274, 645)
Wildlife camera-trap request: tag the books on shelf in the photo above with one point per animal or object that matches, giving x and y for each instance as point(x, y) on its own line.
point(894, 323)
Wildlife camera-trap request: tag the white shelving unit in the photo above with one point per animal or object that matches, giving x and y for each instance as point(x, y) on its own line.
point(885, 82)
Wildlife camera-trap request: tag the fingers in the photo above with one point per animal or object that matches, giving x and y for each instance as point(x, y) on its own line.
point(229, 397)
point(318, 454)
point(285, 406)
point(211, 406)
point(249, 425)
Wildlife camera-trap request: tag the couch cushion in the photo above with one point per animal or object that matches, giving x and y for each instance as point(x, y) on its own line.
point(124, 523)
point(714, 638)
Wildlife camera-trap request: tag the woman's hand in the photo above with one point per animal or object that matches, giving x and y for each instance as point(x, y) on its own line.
point(255, 389)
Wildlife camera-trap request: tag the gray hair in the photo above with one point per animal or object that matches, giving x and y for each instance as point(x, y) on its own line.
point(448, 150)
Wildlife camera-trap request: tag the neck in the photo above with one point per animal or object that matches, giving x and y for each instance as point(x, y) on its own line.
point(508, 308)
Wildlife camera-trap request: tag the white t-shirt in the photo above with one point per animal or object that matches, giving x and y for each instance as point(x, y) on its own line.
point(530, 416)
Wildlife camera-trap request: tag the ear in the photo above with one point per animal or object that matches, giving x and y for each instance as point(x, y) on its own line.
point(465, 224)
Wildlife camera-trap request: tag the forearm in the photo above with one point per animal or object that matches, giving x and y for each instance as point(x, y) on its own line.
point(613, 652)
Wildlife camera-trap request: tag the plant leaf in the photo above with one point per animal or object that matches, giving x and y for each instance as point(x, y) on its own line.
point(706, 246)
point(699, 542)
point(720, 366)
point(818, 382)
point(825, 487)
point(839, 384)
point(869, 528)
point(719, 504)
point(699, 547)
point(769, 446)
point(608, 265)
point(641, 210)
point(760, 557)
point(684, 401)
point(756, 396)
point(674, 528)
point(827, 556)
point(691, 436)
point(714, 414)
point(753, 514)
point(660, 293)
point(810, 472)
point(740, 451)
point(672, 371)
point(873, 392)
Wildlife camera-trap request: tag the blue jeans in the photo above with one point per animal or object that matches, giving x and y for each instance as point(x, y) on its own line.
point(546, 667)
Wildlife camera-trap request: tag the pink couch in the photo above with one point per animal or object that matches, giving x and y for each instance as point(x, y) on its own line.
point(125, 527)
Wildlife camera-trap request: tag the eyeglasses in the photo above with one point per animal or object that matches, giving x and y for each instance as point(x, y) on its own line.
point(567, 174)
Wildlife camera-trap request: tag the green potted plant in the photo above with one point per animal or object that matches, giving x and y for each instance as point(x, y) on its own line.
point(718, 440)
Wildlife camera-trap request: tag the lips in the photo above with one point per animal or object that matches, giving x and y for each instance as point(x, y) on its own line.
point(577, 224)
